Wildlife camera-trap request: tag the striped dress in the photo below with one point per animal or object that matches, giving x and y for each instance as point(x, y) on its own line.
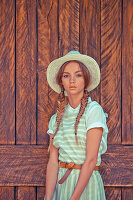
point(64, 140)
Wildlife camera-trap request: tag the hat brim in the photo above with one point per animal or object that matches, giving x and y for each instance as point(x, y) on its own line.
point(88, 61)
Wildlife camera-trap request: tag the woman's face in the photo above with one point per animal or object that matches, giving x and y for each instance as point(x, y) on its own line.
point(73, 79)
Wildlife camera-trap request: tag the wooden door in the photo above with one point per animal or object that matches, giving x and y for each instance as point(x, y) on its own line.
point(33, 33)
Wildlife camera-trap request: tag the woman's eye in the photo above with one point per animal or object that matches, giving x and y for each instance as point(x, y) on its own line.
point(65, 76)
point(79, 75)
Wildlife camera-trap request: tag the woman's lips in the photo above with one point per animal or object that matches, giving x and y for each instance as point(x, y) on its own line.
point(72, 88)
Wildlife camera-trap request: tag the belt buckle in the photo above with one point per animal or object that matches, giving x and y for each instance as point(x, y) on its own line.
point(70, 165)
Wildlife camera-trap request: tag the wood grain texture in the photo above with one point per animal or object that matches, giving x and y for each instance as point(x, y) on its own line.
point(90, 34)
point(26, 193)
point(47, 51)
point(90, 28)
point(53, 19)
point(127, 193)
point(6, 193)
point(113, 193)
point(26, 71)
point(117, 166)
point(40, 193)
point(68, 26)
point(7, 72)
point(127, 73)
point(23, 165)
point(111, 66)
point(26, 165)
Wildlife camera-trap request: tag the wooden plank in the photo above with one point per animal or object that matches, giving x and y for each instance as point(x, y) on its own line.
point(113, 193)
point(90, 34)
point(127, 73)
point(54, 48)
point(7, 72)
point(26, 165)
point(117, 166)
point(127, 193)
point(23, 165)
point(26, 193)
point(6, 193)
point(26, 71)
point(111, 66)
point(68, 26)
point(47, 51)
point(40, 193)
point(90, 28)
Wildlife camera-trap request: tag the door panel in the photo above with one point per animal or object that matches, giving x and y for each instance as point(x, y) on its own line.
point(26, 72)
point(7, 72)
point(111, 66)
point(127, 72)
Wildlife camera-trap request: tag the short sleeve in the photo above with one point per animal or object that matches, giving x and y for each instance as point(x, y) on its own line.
point(52, 124)
point(95, 117)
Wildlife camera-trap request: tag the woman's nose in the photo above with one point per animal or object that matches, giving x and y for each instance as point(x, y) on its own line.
point(72, 79)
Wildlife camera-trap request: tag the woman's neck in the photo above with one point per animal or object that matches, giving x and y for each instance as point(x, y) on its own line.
point(74, 101)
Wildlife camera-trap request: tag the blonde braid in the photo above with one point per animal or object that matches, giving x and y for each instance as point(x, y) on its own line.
point(84, 102)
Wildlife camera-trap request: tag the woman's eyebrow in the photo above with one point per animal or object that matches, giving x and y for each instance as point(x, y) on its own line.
point(66, 72)
point(78, 71)
point(75, 72)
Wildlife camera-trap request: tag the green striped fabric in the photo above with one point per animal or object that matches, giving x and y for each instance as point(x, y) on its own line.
point(64, 140)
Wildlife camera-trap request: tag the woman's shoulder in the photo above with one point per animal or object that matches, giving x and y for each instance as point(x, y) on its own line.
point(52, 124)
point(52, 120)
point(53, 117)
point(94, 106)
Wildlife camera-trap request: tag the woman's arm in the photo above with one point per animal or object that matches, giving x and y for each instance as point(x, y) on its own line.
point(52, 171)
point(94, 136)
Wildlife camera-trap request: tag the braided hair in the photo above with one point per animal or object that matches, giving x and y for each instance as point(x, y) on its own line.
point(61, 102)
point(84, 102)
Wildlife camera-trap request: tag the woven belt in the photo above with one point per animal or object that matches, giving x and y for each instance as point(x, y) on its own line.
point(69, 167)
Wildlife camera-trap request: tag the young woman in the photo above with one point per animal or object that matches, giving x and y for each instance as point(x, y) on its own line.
point(78, 131)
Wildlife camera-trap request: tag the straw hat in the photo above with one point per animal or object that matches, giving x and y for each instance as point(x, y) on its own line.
point(88, 61)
